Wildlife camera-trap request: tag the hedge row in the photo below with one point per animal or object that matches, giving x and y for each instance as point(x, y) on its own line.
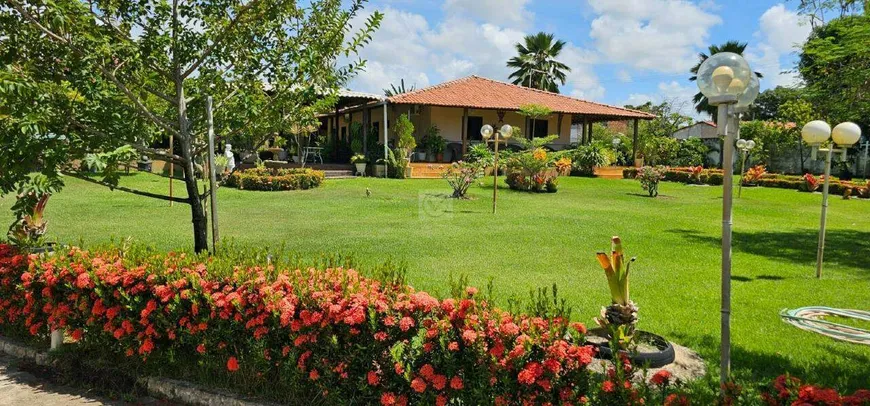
point(331, 334)
point(275, 179)
point(714, 177)
point(684, 175)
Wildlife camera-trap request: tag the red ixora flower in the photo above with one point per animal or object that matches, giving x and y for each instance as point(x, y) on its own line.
point(232, 364)
point(608, 386)
point(661, 378)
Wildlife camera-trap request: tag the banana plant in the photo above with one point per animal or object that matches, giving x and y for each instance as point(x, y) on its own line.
point(617, 270)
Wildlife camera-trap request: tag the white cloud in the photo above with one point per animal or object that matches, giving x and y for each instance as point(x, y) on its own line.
point(781, 32)
point(678, 94)
point(406, 46)
point(511, 13)
point(623, 76)
point(660, 35)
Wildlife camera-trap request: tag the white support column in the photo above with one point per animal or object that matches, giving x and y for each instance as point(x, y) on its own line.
point(386, 140)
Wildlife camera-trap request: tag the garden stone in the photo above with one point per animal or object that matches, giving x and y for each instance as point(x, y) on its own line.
point(687, 366)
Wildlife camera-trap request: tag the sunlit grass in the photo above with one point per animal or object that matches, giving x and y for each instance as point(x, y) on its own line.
point(537, 240)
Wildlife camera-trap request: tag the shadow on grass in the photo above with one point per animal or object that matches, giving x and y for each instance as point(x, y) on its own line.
point(847, 369)
point(846, 248)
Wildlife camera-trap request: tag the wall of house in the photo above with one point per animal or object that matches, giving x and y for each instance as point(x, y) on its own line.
point(696, 131)
point(449, 121)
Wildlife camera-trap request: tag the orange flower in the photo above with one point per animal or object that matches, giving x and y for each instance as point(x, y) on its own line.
point(232, 364)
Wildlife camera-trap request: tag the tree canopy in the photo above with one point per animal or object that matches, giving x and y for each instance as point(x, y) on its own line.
point(835, 65)
point(536, 65)
point(84, 78)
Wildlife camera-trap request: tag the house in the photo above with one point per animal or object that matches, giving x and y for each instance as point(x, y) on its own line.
point(459, 108)
point(701, 129)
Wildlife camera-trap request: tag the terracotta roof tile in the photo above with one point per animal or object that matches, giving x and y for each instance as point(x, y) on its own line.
point(482, 93)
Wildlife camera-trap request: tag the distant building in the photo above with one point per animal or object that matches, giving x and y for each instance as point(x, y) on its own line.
point(701, 129)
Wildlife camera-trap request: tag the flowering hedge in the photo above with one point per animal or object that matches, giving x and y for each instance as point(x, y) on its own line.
point(788, 390)
point(684, 175)
point(345, 336)
point(275, 179)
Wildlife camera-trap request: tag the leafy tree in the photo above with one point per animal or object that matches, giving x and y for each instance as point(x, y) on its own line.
point(800, 112)
point(534, 112)
point(771, 139)
point(701, 104)
point(768, 103)
point(536, 65)
point(661, 150)
point(668, 120)
point(691, 152)
point(394, 90)
point(90, 77)
point(816, 9)
point(835, 65)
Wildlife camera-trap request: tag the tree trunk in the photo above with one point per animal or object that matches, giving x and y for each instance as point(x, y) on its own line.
point(197, 213)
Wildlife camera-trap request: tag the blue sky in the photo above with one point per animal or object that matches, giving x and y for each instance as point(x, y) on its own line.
point(620, 51)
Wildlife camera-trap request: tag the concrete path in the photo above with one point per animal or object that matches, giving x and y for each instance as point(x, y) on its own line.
point(21, 388)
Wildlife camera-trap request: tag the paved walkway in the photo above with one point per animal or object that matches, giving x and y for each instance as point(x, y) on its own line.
point(21, 388)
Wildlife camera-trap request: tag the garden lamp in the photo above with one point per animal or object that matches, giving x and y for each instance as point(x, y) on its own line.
point(744, 146)
point(504, 133)
point(844, 135)
point(726, 80)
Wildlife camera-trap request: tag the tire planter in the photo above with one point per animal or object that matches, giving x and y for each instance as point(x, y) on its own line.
point(653, 359)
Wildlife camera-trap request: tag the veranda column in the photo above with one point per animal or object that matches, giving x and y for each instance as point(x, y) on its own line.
point(464, 131)
point(559, 126)
point(634, 143)
point(386, 141)
point(366, 120)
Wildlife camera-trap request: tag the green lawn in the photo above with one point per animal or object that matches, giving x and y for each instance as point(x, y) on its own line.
point(540, 239)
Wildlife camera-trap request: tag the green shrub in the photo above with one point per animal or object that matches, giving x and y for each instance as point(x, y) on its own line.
point(269, 179)
point(585, 158)
point(692, 152)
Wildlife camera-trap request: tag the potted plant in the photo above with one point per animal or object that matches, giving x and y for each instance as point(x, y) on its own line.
point(618, 322)
point(438, 144)
point(638, 160)
point(360, 161)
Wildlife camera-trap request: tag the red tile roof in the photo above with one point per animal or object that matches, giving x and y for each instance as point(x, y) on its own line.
point(481, 93)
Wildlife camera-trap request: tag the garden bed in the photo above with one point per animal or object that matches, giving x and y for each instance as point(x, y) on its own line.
point(270, 179)
point(714, 177)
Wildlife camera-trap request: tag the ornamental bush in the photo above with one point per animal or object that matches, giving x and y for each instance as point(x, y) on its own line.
point(275, 179)
point(330, 334)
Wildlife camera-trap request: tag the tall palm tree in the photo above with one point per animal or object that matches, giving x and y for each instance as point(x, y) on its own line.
point(536, 65)
point(396, 90)
point(701, 103)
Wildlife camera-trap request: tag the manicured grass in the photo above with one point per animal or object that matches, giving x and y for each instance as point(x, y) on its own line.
point(537, 240)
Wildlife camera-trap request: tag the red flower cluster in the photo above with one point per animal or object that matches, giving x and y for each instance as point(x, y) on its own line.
point(334, 329)
point(788, 390)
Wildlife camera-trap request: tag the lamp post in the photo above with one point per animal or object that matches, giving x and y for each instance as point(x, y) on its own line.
point(844, 135)
point(744, 146)
point(724, 78)
point(503, 134)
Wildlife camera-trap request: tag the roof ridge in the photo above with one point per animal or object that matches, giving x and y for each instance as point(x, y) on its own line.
point(427, 88)
point(557, 94)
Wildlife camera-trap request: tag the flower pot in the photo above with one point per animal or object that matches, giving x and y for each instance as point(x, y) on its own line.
point(295, 159)
point(638, 162)
point(439, 157)
point(653, 350)
point(360, 168)
point(381, 170)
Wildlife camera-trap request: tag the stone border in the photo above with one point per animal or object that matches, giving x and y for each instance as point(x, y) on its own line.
point(161, 388)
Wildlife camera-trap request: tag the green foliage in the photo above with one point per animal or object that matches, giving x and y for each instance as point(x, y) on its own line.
point(404, 130)
point(668, 120)
point(87, 78)
point(534, 112)
point(835, 65)
point(107, 163)
point(649, 177)
point(586, 157)
point(461, 175)
point(480, 153)
point(275, 179)
point(534, 143)
point(771, 139)
point(396, 90)
point(433, 141)
point(536, 64)
point(358, 159)
point(691, 152)
point(768, 104)
point(661, 150)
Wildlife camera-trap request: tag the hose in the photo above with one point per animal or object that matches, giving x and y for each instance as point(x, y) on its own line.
point(811, 319)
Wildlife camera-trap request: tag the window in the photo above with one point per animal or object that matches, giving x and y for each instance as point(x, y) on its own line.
point(376, 129)
point(540, 126)
point(343, 133)
point(472, 128)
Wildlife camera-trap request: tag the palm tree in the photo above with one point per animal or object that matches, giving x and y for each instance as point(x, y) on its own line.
point(536, 65)
point(395, 90)
point(701, 104)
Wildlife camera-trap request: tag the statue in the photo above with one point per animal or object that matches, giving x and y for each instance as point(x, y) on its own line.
point(231, 160)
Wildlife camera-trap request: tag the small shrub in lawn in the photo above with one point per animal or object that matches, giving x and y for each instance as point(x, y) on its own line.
point(754, 174)
point(649, 178)
point(275, 179)
point(461, 175)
